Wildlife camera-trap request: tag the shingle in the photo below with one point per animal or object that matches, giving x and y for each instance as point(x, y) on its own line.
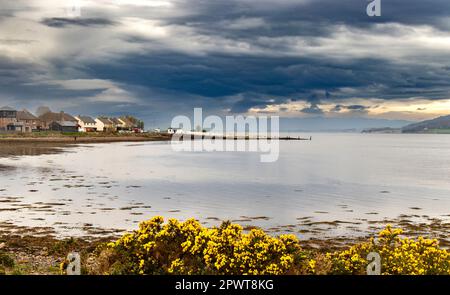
point(116, 121)
point(25, 115)
point(86, 119)
point(105, 121)
point(49, 117)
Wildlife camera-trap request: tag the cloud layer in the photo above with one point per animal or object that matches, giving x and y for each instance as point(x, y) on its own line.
point(157, 59)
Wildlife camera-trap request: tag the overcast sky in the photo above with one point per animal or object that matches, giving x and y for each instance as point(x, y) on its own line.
point(294, 58)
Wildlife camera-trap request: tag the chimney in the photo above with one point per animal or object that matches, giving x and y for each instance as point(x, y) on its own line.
point(61, 116)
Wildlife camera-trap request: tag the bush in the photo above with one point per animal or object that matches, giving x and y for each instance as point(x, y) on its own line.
point(399, 256)
point(188, 248)
point(6, 260)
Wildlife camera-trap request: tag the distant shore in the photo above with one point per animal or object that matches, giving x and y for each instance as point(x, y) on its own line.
point(33, 144)
point(99, 137)
point(81, 137)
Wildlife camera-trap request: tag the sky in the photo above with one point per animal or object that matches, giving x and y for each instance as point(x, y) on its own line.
point(299, 59)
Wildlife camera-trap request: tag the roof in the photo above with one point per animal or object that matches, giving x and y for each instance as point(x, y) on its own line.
point(66, 123)
point(49, 117)
point(15, 124)
point(42, 110)
point(6, 108)
point(126, 122)
point(86, 119)
point(105, 120)
point(25, 115)
point(115, 121)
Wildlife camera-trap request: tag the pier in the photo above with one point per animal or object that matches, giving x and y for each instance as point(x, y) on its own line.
point(226, 137)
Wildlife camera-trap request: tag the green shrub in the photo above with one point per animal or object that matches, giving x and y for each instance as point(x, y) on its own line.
point(189, 248)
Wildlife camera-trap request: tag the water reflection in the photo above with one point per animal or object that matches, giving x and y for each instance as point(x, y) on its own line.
point(337, 183)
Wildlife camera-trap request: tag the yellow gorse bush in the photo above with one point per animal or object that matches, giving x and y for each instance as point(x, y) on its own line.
point(399, 256)
point(189, 248)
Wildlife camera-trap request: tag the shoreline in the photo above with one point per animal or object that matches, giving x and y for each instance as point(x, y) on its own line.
point(85, 138)
point(31, 253)
point(312, 235)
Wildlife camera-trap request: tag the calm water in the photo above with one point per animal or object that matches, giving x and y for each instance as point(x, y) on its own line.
point(345, 177)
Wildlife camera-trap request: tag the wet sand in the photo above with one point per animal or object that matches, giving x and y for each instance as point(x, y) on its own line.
point(82, 138)
point(21, 148)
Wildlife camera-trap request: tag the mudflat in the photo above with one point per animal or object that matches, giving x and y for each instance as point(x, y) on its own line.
point(80, 138)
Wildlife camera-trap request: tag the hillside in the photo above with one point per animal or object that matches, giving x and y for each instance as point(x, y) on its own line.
point(438, 125)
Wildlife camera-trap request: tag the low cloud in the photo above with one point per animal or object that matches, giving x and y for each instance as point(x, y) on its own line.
point(58, 22)
point(313, 109)
point(353, 109)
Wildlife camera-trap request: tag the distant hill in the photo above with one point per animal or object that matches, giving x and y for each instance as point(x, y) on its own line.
point(438, 125)
point(383, 130)
point(320, 124)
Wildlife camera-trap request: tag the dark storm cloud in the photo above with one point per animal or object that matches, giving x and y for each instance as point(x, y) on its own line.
point(58, 22)
point(355, 109)
point(280, 79)
point(308, 18)
point(313, 109)
point(13, 74)
point(269, 67)
point(250, 101)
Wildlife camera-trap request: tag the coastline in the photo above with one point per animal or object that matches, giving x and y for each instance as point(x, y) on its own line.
point(37, 252)
point(81, 138)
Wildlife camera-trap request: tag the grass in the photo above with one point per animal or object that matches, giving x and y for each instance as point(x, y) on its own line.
point(56, 134)
point(439, 131)
point(6, 263)
point(6, 260)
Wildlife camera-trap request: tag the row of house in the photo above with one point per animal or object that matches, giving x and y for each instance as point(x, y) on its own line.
point(12, 120)
point(105, 124)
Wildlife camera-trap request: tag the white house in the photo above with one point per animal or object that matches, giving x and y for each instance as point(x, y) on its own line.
point(119, 125)
point(105, 124)
point(86, 124)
